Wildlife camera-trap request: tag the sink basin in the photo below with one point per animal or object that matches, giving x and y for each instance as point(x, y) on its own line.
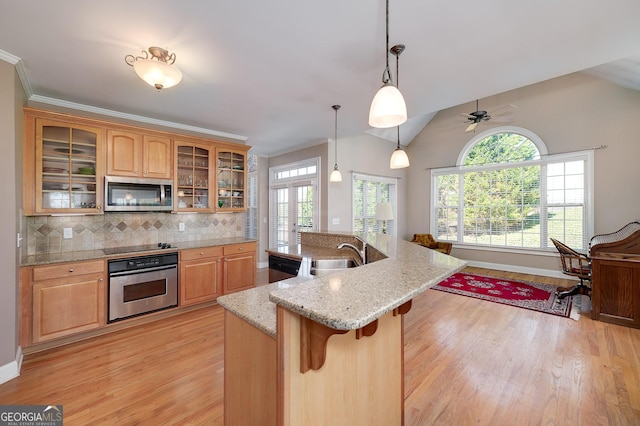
point(328, 266)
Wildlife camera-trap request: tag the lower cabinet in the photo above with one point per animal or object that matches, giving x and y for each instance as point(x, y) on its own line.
point(239, 267)
point(66, 299)
point(200, 275)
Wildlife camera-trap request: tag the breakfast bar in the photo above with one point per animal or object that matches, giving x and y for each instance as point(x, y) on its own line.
point(327, 349)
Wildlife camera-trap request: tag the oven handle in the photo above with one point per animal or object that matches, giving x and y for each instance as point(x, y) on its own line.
point(139, 271)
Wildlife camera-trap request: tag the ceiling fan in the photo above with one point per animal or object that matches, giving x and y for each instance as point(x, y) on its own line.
point(476, 117)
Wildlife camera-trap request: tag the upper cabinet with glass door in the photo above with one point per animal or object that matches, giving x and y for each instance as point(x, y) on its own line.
point(67, 168)
point(232, 177)
point(193, 176)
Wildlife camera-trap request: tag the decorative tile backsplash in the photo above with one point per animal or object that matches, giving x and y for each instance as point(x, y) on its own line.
point(45, 233)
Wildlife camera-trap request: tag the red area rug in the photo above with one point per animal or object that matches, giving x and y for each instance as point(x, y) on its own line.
point(535, 296)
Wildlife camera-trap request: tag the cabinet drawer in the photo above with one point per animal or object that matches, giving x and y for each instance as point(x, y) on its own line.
point(201, 253)
point(239, 248)
point(64, 270)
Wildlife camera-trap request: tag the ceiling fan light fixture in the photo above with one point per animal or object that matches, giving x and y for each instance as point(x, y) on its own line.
point(388, 108)
point(156, 70)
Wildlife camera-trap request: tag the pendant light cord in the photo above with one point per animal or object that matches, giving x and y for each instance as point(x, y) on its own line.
point(397, 84)
point(335, 136)
point(386, 75)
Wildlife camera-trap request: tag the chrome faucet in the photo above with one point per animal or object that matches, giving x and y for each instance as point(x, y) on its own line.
point(362, 253)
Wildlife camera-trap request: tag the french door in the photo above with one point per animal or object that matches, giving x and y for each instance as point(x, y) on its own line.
point(294, 213)
point(294, 205)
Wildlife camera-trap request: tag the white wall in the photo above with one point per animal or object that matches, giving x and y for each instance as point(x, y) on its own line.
point(11, 123)
point(570, 113)
point(364, 154)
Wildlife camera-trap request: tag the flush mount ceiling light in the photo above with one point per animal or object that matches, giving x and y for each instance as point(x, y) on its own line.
point(336, 176)
point(388, 108)
point(158, 70)
point(399, 159)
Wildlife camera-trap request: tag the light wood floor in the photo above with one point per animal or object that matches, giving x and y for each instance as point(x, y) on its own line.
point(467, 362)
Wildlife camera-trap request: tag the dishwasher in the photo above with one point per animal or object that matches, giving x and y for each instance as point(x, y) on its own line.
point(281, 268)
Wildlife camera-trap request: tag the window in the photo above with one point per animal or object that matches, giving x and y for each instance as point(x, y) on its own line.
point(506, 192)
point(368, 192)
point(251, 217)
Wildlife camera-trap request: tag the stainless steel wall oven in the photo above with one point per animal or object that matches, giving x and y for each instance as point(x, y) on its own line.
point(142, 284)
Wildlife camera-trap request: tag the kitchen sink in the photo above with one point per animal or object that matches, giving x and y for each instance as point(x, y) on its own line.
point(328, 266)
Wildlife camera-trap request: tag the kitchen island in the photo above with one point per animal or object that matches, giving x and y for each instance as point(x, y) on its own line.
point(327, 349)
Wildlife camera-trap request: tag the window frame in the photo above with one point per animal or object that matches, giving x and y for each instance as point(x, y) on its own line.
point(291, 182)
point(393, 199)
point(545, 159)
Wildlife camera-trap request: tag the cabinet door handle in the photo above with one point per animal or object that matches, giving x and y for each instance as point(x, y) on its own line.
point(70, 269)
point(101, 280)
point(240, 248)
point(201, 254)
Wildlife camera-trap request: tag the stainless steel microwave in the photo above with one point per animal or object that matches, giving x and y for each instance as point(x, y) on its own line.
point(124, 194)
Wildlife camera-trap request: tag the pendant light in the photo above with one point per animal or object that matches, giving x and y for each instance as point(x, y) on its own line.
point(336, 176)
point(388, 108)
point(399, 159)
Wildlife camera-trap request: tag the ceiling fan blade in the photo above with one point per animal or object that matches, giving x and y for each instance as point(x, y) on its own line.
point(467, 115)
point(502, 110)
point(471, 127)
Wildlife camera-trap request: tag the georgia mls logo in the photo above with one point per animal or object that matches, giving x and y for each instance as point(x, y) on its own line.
point(31, 415)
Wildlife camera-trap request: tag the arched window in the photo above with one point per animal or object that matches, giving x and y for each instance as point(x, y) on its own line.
point(506, 191)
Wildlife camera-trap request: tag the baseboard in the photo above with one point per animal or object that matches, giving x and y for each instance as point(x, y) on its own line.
point(11, 370)
point(519, 269)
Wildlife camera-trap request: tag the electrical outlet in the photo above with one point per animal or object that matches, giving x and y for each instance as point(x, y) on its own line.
point(181, 227)
point(67, 233)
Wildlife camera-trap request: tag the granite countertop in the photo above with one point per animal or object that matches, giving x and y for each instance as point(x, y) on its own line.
point(348, 299)
point(299, 251)
point(77, 256)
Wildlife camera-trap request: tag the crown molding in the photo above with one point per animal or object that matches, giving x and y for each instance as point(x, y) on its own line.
point(22, 75)
point(133, 117)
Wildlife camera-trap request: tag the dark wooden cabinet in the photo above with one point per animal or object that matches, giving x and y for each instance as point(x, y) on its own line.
point(615, 276)
point(616, 292)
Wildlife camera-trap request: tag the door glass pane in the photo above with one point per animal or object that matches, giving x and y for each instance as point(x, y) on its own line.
point(282, 216)
point(304, 210)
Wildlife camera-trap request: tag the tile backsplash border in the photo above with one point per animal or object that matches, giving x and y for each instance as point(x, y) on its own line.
point(94, 232)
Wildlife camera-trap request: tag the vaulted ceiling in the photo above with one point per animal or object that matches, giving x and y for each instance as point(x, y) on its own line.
point(268, 71)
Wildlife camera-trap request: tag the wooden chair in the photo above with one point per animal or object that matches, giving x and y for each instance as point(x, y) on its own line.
point(427, 240)
point(577, 265)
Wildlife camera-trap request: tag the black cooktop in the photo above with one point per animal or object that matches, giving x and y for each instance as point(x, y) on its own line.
point(134, 249)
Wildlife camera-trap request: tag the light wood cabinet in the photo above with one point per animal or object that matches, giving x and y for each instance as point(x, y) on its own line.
point(239, 267)
point(138, 155)
point(231, 167)
point(62, 165)
point(200, 275)
point(66, 158)
point(65, 299)
point(193, 176)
